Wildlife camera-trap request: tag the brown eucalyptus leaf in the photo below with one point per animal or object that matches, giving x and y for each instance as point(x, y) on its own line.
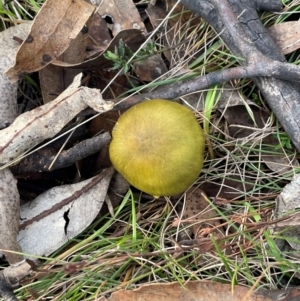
point(241, 124)
point(33, 127)
point(286, 35)
point(156, 14)
point(8, 90)
point(123, 14)
point(189, 291)
point(117, 189)
point(54, 79)
point(99, 35)
point(9, 216)
point(150, 69)
point(53, 29)
point(61, 213)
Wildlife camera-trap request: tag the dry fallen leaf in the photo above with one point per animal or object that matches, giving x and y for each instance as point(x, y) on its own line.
point(61, 213)
point(9, 216)
point(201, 219)
point(122, 14)
point(55, 79)
point(286, 35)
point(8, 90)
point(99, 35)
point(33, 127)
point(180, 18)
point(150, 69)
point(54, 27)
point(190, 291)
point(9, 195)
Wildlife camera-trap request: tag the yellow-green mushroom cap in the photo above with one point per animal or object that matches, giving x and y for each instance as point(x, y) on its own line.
point(158, 147)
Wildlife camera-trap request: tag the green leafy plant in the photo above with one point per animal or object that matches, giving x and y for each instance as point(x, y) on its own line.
point(120, 57)
point(285, 141)
point(123, 54)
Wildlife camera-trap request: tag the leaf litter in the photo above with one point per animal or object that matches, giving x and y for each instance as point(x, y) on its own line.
point(46, 43)
point(8, 90)
point(44, 122)
point(62, 213)
point(33, 127)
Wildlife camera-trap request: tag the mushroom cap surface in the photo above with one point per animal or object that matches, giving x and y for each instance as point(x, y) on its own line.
point(158, 147)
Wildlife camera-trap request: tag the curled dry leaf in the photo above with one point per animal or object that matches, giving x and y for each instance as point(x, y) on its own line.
point(9, 216)
point(16, 272)
point(54, 27)
point(44, 122)
point(8, 90)
point(10, 278)
point(61, 213)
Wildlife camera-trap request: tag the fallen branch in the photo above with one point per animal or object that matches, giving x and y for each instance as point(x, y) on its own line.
point(239, 26)
point(42, 159)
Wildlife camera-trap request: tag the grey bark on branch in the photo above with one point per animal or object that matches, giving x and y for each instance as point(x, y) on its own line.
point(42, 160)
point(240, 28)
point(276, 69)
